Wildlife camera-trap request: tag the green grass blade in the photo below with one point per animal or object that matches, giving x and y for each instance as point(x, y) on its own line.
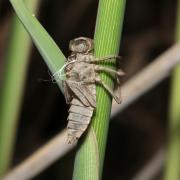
point(12, 90)
point(173, 155)
point(107, 41)
point(50, 52)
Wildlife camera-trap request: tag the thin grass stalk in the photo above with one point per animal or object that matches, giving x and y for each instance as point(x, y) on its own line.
point(12, 90)
point(90, 155)
point(173, 154)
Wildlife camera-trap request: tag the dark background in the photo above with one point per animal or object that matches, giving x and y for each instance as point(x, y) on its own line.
point(136, 133)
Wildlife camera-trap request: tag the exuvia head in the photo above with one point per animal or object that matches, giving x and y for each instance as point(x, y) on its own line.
point(81, 45)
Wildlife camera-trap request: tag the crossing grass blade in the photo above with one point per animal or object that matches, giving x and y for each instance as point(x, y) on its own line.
point(49, 50)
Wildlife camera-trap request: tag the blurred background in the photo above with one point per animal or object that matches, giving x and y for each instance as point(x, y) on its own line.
point(137, 133)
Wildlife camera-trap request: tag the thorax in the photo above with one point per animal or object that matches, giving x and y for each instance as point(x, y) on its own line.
point(79, 70)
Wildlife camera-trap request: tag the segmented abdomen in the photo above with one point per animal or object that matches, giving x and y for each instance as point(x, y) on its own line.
point(79, 119)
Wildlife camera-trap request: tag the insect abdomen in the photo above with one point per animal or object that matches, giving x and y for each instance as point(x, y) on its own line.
point(79, 119)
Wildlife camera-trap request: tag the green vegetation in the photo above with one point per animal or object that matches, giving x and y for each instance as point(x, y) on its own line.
point(13, 85)
point(173, 155)
point(90, 155)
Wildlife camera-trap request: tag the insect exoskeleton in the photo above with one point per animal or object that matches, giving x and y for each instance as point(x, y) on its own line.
point(82, 74)
point(81, 45)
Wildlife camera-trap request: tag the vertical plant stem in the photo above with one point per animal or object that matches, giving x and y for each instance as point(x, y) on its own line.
point(90, 155)
point(12, 90)
point(173, 155)
point(107, 42)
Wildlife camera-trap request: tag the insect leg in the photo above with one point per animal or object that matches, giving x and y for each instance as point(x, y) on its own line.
point(118, 89)
point(109, 70)
point(101, 82)
point(106, 58)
